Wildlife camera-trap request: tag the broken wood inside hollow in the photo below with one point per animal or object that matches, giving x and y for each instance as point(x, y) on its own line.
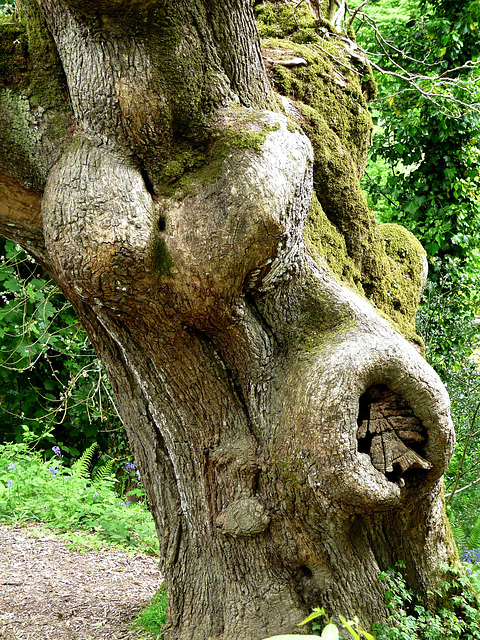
point(390, 433)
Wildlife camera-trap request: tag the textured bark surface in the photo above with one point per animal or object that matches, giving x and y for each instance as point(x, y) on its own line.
point(291, 442)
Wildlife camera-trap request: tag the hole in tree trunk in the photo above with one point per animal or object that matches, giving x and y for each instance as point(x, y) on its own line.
point(306, 571)
point(391, 434)
point(147, 181)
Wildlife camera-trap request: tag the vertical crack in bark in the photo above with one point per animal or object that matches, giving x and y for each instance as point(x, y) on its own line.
point(391, 434)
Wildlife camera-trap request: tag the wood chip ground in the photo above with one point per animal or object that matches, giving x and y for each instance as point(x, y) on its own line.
point(48, 592)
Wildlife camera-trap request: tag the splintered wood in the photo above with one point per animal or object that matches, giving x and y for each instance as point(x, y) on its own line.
point(388, 429)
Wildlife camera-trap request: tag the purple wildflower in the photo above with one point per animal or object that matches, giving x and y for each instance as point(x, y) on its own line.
point(471, 555)
point(9, 483)
point(56, 450)
point(12, 466)
point(129, 466)
point(53, 471)
point(96, 494)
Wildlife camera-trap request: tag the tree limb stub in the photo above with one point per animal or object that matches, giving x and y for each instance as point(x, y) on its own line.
point(18, 204)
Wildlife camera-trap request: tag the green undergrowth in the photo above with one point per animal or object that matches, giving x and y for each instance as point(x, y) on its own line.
point(74, 500)
point(458, 610)
point(153, 617)
point(456, 615)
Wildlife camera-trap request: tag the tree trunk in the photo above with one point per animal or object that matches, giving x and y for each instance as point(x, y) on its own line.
point(291, 442)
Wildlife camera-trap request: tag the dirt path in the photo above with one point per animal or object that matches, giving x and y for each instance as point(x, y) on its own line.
point(50, 592)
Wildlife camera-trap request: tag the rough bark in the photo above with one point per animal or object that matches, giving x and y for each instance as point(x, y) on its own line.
point(291, 442)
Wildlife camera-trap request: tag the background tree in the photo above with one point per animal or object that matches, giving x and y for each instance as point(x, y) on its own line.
point(429, 140)
point(291, 441)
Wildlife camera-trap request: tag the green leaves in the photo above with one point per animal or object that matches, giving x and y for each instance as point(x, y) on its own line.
point(316, 613)
point(50, 377)
point(458, 616)
point(330, 632)
point(294, 637)
point(427, 151)
point(32, 488)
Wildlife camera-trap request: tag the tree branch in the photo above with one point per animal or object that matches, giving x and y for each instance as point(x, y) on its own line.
point(467, 486)
point(20, 216)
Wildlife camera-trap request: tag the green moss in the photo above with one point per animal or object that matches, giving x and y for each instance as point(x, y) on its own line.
point(327, 245)
point(14, 63)
point(47, 83)
point(188, 167)
point(406, 262)
point(279, 20)
point(330, 95)
point(392, 277)
point(323, 319)
point(162, 260)
point(35, 107)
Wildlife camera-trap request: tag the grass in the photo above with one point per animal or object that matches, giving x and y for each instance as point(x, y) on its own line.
point(153, 617)
point(386, 12)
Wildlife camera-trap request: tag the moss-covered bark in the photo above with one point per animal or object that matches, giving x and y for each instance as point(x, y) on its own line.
point(328, 97)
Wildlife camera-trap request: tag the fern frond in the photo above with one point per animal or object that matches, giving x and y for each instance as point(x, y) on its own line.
point(474, 537)
point(104, 471)
point(458, 534)
point(80, 467)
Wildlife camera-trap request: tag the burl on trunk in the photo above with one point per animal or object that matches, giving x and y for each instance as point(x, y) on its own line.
point(292, 443)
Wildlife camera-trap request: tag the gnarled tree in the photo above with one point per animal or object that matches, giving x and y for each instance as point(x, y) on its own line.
point(216, 245)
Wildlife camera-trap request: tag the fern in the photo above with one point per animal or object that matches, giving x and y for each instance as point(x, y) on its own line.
point(458, 534)
point(474, 538)
point(81, 467)
point(103, 472)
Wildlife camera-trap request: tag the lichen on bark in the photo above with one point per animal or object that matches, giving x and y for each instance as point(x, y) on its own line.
point(35, 112)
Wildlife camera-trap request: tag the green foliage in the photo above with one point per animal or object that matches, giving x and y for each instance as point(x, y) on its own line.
point(446, 318)
point(50, 378)
point(457, 618)
point(384, 12)
point(7, 8)
point(423, 170)
point(473, 541)
point(153, 617)
point(329, 631)
point(428, 152)
point(71, 499)
point(447, 322)
point(457, 615)
point(294, 637)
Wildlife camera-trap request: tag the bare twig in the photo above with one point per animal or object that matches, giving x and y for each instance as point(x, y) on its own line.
point(467, 486)
point(350, 22)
